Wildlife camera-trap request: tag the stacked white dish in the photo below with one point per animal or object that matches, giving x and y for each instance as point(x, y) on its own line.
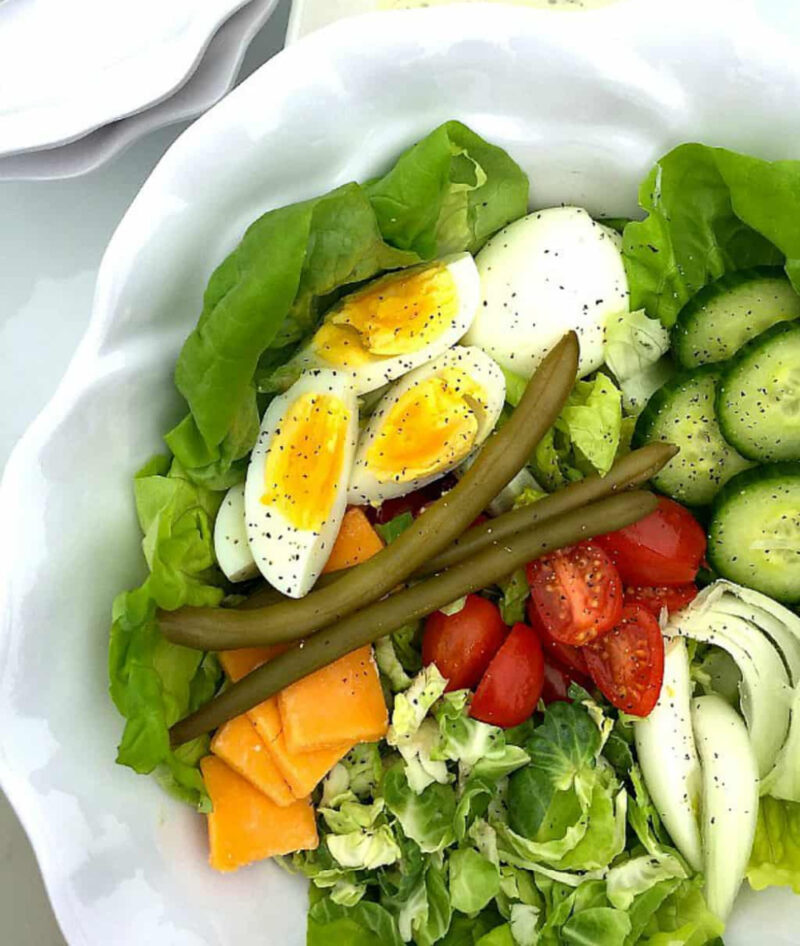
point(80, 82)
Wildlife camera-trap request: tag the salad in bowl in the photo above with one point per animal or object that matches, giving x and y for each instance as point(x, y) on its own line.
point(474, 564)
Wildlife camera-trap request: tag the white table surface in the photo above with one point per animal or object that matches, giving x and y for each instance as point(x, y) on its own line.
point(52, 236)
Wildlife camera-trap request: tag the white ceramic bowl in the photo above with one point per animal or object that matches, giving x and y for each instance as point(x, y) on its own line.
point(214, 76)
point(67, 68)
point(585, 103)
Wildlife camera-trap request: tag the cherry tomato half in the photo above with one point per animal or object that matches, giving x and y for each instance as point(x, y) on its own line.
point(462, 644)
point(664, 548)
point(577, 593)
point(628, 663)
point(671, 597)
point(512, 684)
point(557, 680)
point(569, 657)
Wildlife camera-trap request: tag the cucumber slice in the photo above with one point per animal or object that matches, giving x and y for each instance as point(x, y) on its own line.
point(682, 412)
point(754, 533)
point(758, 396)
point(723, 316)
point(730, 799)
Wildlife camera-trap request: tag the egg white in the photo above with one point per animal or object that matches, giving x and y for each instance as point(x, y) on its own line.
point(365, 485)
point(291, 558)
point(554, 270)
point(381, 369)
point(230, 538)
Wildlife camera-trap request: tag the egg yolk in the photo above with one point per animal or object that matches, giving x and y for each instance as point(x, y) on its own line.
point(396, 315)
point(305, 459)
point(429, 429)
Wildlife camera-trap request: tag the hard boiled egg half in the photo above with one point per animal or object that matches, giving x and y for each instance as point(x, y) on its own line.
point(426, 424)
point(549, 272)
point(296, 487)
point(396, 323)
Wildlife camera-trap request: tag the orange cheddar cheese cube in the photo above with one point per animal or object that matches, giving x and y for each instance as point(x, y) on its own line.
point(342, 702)
point(355, 543)
point(239, 744)
point(245, 826)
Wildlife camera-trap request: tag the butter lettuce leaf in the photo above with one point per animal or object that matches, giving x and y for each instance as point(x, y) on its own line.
point(153, 683)
point(709, 211)
point(365, 924)
point(775, 859)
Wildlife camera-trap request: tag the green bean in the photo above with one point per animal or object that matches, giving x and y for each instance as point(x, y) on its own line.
point(383, 617)
point(501, 458)
point(632, 470)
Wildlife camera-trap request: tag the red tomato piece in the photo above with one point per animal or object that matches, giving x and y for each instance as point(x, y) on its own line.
point(414, 502)
point(664, 548)
point(671, 597)
point(569, 657)
point(557, 680)
point(577, 593)
point(628, 663)
point(512, 684)
point(462, 644)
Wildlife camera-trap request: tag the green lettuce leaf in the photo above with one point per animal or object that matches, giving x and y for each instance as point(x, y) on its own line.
point(775, 859)
point(449, 192)
point(364, 848)
point(566, 809)
point(411, 707)
point(515, 593)
point(425, 916)
point(629, 879)
point(683, 919)
point(586, 437)
point(709, 211)
point(389, 665)
point(425, 817)
point(474, 880)
point(394, 528)
point(467, 931)
point(153, 683)
point(634, 350)
point(592, 420)
point(365, 924)
point(597, 926)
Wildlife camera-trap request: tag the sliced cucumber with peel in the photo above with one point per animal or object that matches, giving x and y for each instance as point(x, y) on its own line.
point(754, 533)
point(727, 313)
point(758, 396)
point(682, 412)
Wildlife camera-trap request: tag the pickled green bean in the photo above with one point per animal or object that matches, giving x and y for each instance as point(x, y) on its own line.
point(632, 470)
point(410, 604)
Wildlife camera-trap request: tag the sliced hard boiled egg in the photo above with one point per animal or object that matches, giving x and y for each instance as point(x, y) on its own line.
point(230, 538)
point(426, 424)
point(549, 272)
point(396, 323)
point(296, 487)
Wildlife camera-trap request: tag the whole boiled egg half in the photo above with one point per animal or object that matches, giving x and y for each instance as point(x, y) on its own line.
point(396, 323)
point(426, 424)
point(547, 273)
point(296, 487)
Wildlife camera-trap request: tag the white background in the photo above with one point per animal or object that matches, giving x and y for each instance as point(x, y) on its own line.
point(52, 237)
